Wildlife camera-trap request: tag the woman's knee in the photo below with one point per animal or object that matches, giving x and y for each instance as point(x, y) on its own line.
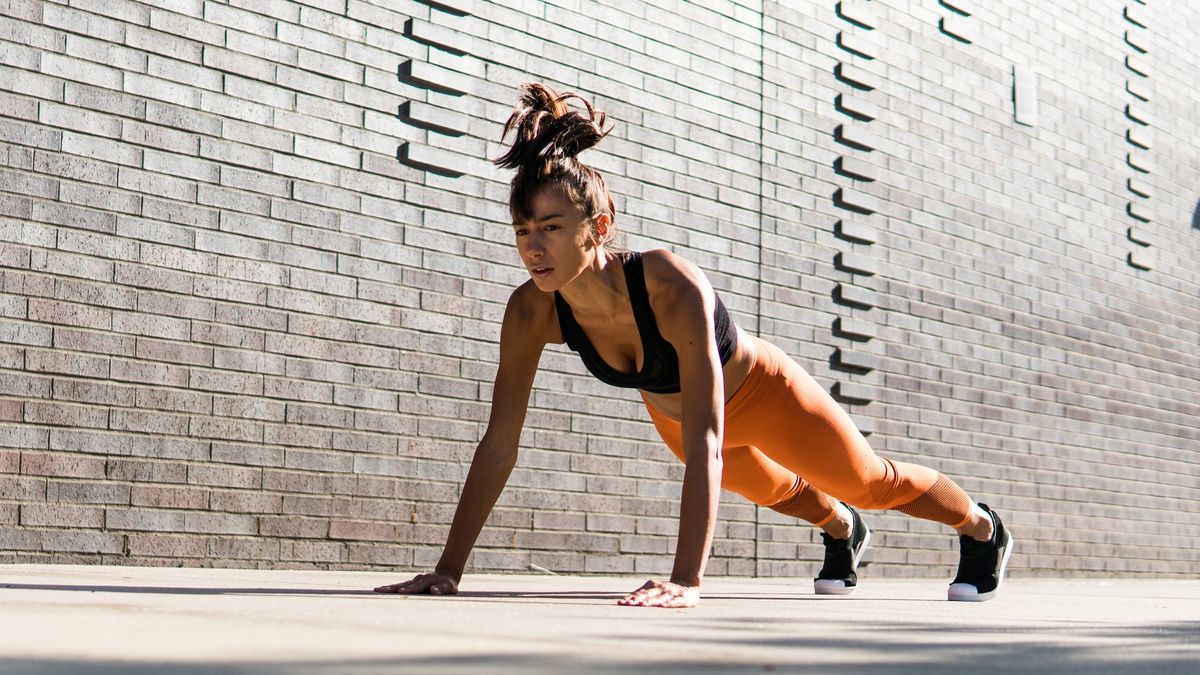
point(756, 477)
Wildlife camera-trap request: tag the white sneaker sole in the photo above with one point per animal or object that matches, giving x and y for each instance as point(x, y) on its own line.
point(837, 586)
point(968, 593)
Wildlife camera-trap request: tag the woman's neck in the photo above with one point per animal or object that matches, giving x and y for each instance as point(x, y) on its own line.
point(600, 289)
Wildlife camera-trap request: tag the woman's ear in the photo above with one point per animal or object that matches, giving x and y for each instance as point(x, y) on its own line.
point(600, 225)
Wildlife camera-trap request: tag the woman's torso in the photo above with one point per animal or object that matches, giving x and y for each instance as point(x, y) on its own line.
point(616, 338)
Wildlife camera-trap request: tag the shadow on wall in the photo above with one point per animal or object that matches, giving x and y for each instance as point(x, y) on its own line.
point(1196, 217)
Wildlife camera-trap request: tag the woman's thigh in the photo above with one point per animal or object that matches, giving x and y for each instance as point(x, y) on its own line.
point(796, 423)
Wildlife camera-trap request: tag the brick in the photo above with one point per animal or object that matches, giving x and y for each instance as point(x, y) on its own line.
point(10, 462)
point(14, 332)
point(136, 323)
point(11, 411)
point(157, 89)
point(290, 481)
point(145, 471)
point(147, 182)
point(78, 119)
point(69, 314)
point(362, 530)
point(227, 382)
point(959, 27)
point(293, 527)
point(857, 43)
point(71, 264)
point(148, 373)
point(856, 263)
point(242, 501)
point(77, 492)
point(172, 400)
point(9, 514)
point(64, 414)
point(225, 476)
point(186, 25)
point(146, 520)
point(27, 284)
point(177, 259)
point(316, 552)
point(103, 100)
point(56, 515)
point(228, 336)
point(856, 295)
point(18, 539)
point(67, 363)
point(59, 466)
point(252, 455)
point(428, 74)
point(99, 295)
point(226, 429)
point(441, 37)
point(433, 117)
point(258, 409)
point(153, 422)
point(222, 523)
point(59, 213)
point(167, 546)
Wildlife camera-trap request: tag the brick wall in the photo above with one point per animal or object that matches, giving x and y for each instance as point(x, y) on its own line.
point(253, 259)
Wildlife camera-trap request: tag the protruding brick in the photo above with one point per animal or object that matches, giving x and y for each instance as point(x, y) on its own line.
point(854, 392)
point(857, 76)
point(959, 27)
point(430, 75)
point(439, 36)
point(858, 12)
point(857, 329)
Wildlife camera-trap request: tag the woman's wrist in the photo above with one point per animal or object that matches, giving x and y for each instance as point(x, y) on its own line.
point(689, 581)
point(451, 571)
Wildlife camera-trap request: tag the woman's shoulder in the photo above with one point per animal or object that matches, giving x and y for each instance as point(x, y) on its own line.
point(533, 310)
point(670, 274)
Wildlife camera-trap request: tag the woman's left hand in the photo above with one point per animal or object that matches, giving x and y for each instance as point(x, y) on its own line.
point(662, 594)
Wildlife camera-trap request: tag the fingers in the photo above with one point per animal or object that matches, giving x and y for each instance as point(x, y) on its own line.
point(434, 584)
point(662, 594)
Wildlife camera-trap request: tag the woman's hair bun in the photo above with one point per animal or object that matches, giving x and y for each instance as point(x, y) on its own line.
point(547, 128)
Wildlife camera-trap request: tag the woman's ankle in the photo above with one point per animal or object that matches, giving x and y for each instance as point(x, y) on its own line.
point(841, 526)
point(980, 527)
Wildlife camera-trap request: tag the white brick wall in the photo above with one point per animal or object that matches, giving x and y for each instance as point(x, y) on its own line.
point(235, 329)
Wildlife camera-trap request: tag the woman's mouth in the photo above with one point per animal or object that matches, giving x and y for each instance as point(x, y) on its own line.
point(541, 271)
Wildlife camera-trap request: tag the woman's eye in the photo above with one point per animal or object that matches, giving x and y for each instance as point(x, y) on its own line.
point(520, 232)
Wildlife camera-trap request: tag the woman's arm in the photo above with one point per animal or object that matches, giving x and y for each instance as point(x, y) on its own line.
point(523, 335)
point(683, 303)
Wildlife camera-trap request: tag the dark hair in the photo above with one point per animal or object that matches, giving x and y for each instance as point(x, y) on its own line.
point(549, 134)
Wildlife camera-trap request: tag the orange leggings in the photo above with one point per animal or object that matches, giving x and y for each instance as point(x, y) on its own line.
point(788, 445)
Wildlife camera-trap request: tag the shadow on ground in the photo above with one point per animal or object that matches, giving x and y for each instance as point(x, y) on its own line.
point(883, 648)
point(184, 590)
point(936, 660)
point(464, 595)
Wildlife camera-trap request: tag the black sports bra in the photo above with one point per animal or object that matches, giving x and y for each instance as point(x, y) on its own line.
point(660, 366)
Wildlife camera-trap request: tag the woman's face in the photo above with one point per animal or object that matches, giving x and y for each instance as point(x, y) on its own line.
point(557, 243)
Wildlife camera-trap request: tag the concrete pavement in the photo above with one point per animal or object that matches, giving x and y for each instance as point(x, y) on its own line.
point(91, 620)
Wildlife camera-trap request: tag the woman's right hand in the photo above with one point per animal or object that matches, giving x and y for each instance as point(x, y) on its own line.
point(433, 584)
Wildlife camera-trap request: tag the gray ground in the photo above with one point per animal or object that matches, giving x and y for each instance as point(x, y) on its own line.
point(79, 619)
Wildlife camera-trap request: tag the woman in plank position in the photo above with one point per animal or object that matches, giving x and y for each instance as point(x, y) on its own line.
point(734, 408)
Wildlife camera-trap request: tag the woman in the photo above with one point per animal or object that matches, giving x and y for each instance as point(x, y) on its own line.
point(735, 409)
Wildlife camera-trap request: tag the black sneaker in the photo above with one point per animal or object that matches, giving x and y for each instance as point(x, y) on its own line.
point(981, 564)
point(839, 576)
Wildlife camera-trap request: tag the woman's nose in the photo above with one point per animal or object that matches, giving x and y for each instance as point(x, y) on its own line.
point(534, 246)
